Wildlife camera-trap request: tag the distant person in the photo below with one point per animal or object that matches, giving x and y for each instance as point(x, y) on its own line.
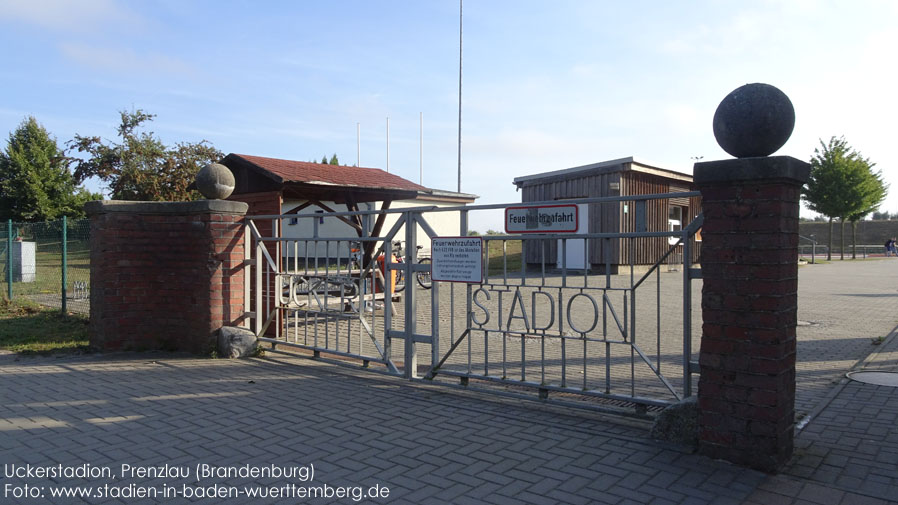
point(890, 247)
point(893, 247)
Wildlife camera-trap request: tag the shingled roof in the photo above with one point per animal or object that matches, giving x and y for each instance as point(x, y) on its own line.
point(289, 171)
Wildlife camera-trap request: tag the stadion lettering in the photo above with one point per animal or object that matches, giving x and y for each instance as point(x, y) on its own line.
point(579, 312)
point(541, 219)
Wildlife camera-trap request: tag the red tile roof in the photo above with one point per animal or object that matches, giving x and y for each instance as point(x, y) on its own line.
point(330, 175)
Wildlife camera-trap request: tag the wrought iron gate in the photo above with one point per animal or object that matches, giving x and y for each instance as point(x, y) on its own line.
point(611, 332)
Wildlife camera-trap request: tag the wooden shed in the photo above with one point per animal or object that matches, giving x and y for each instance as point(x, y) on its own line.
point(620, 177)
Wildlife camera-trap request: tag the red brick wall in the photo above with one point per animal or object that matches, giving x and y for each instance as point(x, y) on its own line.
point(749, 259)
point(164, 275)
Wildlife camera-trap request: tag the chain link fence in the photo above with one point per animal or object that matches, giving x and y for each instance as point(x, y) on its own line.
point(47, 263)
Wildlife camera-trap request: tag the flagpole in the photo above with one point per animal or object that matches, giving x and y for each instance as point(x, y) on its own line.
point(459, 91)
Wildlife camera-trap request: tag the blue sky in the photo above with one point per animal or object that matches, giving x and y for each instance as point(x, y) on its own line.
point(546, 85)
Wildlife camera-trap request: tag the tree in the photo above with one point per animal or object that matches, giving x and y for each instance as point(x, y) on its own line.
point(35, 181)
point(872, 191)
point(141, 167)
point(332, 161)
point(842, 185)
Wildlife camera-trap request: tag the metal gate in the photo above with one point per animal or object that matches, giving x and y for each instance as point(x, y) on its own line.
point(617, 333)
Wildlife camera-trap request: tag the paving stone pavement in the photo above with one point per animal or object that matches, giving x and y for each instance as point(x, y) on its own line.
point(429, 444)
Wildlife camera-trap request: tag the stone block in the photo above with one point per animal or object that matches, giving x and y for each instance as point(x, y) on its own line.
point(236, 342)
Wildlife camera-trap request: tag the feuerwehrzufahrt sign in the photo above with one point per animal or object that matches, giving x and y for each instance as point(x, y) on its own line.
point(541, 219)
point(457, 259)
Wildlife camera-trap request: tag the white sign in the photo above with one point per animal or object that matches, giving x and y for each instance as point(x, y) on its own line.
point(541, 219)
point(457, 259)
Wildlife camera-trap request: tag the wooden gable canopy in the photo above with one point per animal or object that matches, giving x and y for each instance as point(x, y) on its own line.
point(317, 183)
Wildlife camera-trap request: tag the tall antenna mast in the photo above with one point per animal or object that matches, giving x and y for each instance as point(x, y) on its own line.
point(459, 92)
point(358, 144)
point(388, 144)
point(421, 151)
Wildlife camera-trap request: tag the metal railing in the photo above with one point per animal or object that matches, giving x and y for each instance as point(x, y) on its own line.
point(544, 326)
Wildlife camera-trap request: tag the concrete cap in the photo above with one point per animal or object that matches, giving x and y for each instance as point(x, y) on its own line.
point(195, 207)
point(752, 169)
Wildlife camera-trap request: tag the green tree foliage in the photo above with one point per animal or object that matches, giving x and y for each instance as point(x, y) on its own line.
point(332, 161)
point(872, 191)
point(140, 166)
point(35, 181)
point(842, 185)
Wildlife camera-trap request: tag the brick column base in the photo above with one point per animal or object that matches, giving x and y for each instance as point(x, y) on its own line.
point(749, 257)
point(164, 275)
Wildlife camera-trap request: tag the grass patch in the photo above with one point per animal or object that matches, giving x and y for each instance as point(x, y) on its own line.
point(510, 260)
point(28, 328)
point(48, 268)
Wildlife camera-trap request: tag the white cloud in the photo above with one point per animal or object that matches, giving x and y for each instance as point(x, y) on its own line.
point(67, 15)
point(124, 59)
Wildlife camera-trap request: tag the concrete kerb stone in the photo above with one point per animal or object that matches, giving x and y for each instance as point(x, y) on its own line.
point(678, 423)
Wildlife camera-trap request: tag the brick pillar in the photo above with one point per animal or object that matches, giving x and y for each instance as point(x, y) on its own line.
point(749, 257)
point(164, 275)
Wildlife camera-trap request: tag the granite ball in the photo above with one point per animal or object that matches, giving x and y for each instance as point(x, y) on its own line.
point(215, 181)
point(754, 120)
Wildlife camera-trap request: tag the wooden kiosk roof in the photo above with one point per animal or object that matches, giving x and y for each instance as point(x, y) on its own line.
point(317, 181)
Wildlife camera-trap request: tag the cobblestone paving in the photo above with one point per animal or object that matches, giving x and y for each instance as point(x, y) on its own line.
point(842, 306)
point(426, 444)
point(432, 444)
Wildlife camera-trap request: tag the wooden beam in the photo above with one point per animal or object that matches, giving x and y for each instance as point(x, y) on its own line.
point(301, 207)
point(378, 226)
point(355, 226)
point(353, 206)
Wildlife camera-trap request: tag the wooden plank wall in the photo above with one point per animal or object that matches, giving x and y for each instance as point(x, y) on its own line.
point(611, 218)
point(601, 216)
point(647, 250)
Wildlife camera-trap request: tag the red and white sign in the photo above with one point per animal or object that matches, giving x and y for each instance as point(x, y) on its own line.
point(542, 219)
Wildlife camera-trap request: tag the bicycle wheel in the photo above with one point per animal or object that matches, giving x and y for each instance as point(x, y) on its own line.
point(423, 278)
point(301, 286)
point(350, 288)
point(399, 283)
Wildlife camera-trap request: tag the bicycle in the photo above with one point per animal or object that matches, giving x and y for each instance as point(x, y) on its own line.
point(334, 285)
point(423, 278)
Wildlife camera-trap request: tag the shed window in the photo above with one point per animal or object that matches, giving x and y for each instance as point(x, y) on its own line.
point(674, 222)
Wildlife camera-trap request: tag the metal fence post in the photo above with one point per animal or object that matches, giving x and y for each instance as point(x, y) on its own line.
point(9, 260)
point(65, 264)
point(411, 298)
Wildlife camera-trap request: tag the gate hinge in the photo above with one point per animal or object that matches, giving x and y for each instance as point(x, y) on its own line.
point(694, 367)
point(695, 273)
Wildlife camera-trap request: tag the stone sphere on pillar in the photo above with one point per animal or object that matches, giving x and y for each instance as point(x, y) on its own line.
point(754, 120)
point(215, 181)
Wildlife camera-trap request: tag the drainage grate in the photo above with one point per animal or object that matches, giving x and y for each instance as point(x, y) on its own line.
point(877, 378)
